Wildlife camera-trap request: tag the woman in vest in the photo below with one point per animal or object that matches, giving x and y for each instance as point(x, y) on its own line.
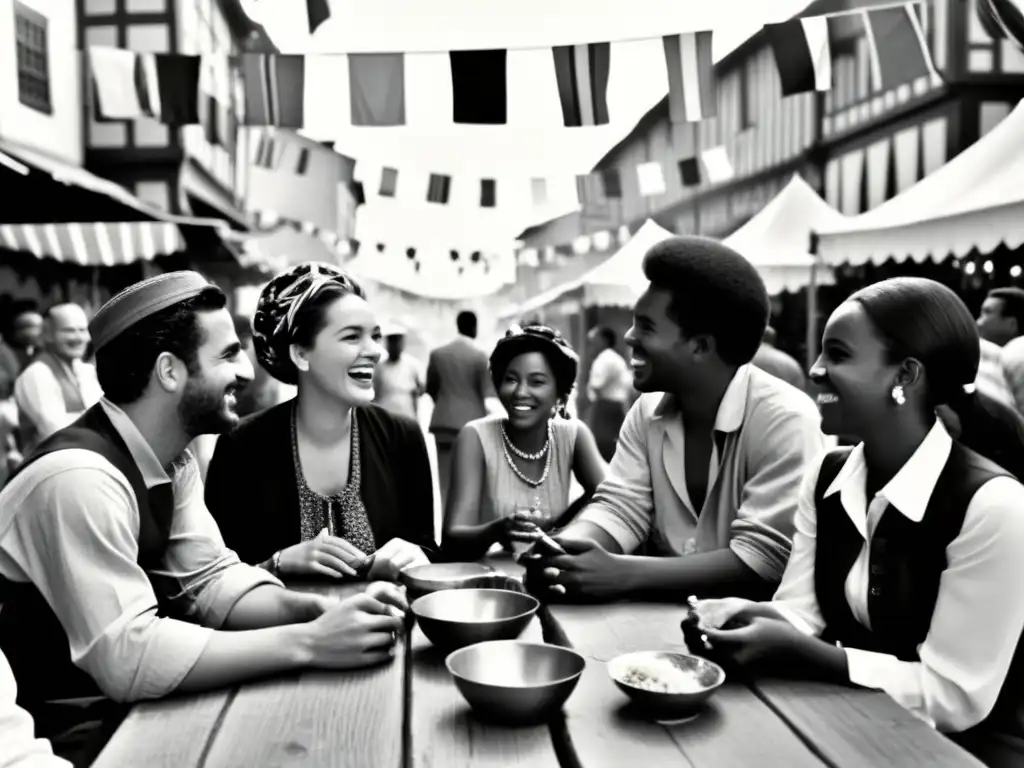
point(511, 475)
point(908, 545)
point(327, 484)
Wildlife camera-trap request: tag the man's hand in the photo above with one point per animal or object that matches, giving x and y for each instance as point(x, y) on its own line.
point(358, 631)
point(587, 571)
point(755, 640)
point(393, 558)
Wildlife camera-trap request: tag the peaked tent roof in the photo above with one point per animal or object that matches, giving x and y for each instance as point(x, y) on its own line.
point(777, 238)
point(976, 200)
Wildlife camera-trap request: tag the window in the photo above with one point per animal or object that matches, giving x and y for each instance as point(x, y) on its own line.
point(33, 64)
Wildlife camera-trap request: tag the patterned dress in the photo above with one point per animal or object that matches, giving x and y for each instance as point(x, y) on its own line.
point(342, 514)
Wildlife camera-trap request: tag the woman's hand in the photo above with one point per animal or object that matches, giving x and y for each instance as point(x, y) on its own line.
point(323, 556)
point(716, 614)
point(520, 527)
point(393, 558)
point(756, 639)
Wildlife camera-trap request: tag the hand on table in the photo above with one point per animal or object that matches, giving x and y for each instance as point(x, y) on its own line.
point(754, 639)
point(359, 630)
point(587, 571)
point(393, 558)
point(323, 556)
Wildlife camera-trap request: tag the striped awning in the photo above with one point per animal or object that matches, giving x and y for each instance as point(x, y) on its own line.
point(94, 244)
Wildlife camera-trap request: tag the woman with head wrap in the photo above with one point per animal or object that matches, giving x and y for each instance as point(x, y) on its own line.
point(908, 545)
point(507, 469)
point(327, 484)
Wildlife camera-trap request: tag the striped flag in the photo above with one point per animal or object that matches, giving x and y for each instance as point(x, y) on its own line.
point(388, 182)
point(377, 88)
point(439, 188)
point(651, 179)
point(692, 91)
point(897, 50)
point(582, 75)
point(264, 152)
point(274, 89)
point(803, 54)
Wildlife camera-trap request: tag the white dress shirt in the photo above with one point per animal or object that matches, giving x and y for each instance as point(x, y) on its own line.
point(69, 523)
point(19, 747)
point(976, 623)
point(610, 378)
point(41, 400)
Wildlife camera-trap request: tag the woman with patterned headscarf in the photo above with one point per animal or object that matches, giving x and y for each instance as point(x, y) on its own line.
point(511, 474)
point(327, 484)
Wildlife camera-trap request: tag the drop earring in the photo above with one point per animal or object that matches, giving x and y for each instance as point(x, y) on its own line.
point(897, 395)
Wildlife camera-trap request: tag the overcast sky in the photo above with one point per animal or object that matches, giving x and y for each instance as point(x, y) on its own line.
point(533, 143)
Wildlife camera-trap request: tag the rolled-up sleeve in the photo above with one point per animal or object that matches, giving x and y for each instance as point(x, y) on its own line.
point(780, 455)
point(623, 504)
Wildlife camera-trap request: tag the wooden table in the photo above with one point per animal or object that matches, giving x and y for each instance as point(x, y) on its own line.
point(409, 714)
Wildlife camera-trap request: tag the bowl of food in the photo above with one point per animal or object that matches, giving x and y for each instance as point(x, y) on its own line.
point(664, 682)
point(455, 618)
point(515, 682)
point(423, 579)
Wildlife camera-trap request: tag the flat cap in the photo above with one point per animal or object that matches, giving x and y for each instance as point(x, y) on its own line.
point(139, 301)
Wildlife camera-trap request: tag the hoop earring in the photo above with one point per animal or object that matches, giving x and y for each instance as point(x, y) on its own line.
point(897, 395)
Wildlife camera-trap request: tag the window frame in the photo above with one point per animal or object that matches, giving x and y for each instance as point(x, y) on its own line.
point(25, 69)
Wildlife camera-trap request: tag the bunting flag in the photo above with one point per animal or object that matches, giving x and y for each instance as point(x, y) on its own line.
point(209, 118)
point(689, 172)
point(651, 178)
point(264, 152)
point(377, 88)
point(539, 191)
point(692, 90)
point(274, 89)
point(488, 193)
point(717, 165)
point(388, 182)
point(803, 54)
point(132, 85)
point(612, 183)
point(583, 189)
point(582, 75)
point(439, 188)
point(319, 12)
point(303, 164)
point(897, 49)
point(479, 87)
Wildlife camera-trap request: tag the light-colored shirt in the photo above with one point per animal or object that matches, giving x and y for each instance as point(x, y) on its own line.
point(991, 378)
point(41, 400)
point(1011, 358)
point(973, 633)
point(69, 523)
point(610, 378)
point(767, 435)
point(399, 384)
point(19, 747)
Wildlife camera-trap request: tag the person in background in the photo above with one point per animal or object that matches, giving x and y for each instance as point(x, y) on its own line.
point(608, 389)
point(710, 458)
point(327, 484)
point(1000, 321)
point(263, 391)
point(773, 360)
point(504, 466)
point(459, 384)
point(26, 333)
point(400, 380)
point(57, 387)
point(115, 580)
point(906, 545)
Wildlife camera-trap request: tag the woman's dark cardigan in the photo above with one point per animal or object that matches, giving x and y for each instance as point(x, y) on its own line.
point(251, 487)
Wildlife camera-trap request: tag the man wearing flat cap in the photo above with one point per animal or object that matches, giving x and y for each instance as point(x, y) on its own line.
point(114, 579)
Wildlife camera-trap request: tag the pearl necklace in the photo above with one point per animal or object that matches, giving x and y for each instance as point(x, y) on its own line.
point(523, 454)
point(547, 464)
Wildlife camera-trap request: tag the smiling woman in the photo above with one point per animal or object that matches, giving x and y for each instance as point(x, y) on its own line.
point(327, 484)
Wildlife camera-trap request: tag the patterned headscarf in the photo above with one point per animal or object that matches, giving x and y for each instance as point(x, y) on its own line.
point(275, 323)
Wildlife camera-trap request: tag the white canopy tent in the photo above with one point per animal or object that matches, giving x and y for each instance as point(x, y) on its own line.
point(975, 201)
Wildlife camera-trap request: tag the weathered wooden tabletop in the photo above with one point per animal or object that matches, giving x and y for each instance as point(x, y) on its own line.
point(408, 713)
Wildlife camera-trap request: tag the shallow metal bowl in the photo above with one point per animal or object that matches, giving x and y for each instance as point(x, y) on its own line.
point(432, 577)
point(703, 678)
point(515, 682)
point(454, 618)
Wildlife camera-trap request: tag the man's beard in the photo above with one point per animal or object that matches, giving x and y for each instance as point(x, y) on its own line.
point(202, 409)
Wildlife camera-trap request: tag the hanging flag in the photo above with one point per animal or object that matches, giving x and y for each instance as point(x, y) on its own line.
point(274, 89)
point(539, 191)
point(802, 54)
point(651, 178)
point(388, 182)
point(717, 165)
point(376, 84)
point(689, 172)
point(692, 90)
point(612, 183)
point(319, 12)
point(479, 87)
point(896, 47)
point(178, 87)
point(583, 189)
point(265, 152)
point(116, 87)
point(439, 188)
point(209, 118)
point(488, 193)
point(303, 164)
point(582, 75)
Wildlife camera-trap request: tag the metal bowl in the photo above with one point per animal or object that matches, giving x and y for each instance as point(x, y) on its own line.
point(700, 678)
point(515, 682)
point(455, 618)
point(432, 577)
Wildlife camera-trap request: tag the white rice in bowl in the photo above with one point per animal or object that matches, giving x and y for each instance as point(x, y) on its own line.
point(661, 676)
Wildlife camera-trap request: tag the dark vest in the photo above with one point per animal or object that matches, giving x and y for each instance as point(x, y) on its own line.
point(906, 563)
point(31, 637)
